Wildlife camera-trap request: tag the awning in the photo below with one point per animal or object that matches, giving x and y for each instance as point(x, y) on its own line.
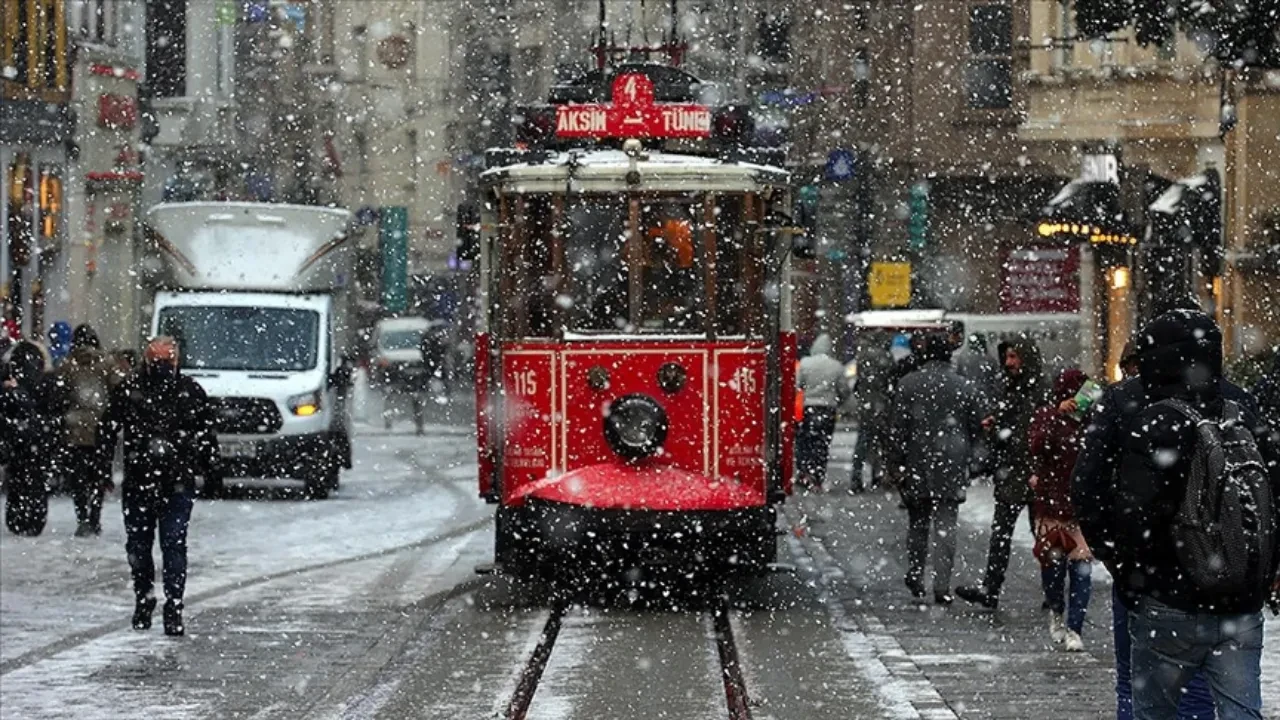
point(1086, 202)
point(1182, 195)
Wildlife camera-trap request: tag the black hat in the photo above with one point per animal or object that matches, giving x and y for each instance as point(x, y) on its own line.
point(85, 336)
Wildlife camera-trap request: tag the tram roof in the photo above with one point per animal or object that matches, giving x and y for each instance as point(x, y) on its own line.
point(605, 171)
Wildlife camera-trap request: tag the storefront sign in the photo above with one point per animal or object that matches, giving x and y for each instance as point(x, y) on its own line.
point(117, 112)
point(1100, 168)
point(633, 114)
point(889, 284)
point(1041, 280)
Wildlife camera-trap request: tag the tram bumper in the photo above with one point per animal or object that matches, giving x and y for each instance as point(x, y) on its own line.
point(619, 517)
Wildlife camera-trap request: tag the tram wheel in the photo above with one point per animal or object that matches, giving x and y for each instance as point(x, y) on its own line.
point(516, 546)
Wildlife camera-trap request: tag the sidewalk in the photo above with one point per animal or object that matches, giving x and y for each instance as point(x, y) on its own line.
point(982, 664)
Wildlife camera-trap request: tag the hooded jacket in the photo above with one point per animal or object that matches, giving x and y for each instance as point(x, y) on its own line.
point(821, 376)
point(1020, 396)
point(1054, 443)
point(1180, 358)
point(31, 429)
point(84, 383)
point(936, 420)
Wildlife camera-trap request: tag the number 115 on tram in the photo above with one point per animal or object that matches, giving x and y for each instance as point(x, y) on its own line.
point(635, 363)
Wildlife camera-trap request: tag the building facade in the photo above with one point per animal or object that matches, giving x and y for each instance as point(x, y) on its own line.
point(37, 128)
point(907, 138)
point(1156, 114)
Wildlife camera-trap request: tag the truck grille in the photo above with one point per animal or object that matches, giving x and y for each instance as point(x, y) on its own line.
point(246, 416)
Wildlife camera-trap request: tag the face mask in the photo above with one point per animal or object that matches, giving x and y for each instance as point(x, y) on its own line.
point(162, 371)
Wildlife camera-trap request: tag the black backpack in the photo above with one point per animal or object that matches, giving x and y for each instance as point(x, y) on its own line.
point(1224, 532)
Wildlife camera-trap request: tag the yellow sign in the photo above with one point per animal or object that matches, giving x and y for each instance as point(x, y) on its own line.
point(890, 284)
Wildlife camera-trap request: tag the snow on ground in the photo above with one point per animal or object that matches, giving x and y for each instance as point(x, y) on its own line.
point(57, 585)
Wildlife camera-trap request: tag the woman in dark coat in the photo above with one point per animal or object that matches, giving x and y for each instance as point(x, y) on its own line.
point(31, 433)
point(1054, 444)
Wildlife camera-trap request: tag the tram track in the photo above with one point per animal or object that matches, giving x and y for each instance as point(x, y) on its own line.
point(731, 677)
point(89, 635)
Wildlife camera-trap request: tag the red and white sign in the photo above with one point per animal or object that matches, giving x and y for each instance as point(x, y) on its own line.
point(1041, 280)
point(633, 114)
point(118, 112)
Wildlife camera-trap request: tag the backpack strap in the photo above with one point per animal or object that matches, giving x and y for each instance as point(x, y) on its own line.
point(1185, 408)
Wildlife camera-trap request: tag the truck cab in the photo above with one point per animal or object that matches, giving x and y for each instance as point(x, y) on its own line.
point(257, 299)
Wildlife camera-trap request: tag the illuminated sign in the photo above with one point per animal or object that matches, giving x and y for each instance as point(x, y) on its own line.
point(1095, 234)
point(633, 114)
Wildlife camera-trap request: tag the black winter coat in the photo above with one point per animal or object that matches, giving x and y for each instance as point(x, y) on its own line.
point(31, 432)
point(168, 428)
point(1020, 397)
point(1132, 474)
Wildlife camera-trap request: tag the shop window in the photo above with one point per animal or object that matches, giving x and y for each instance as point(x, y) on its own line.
point(34, 38)
point(50, 204)
point(774, 37)
point(989, 73)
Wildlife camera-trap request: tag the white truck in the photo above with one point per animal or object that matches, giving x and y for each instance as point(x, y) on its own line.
point(258, 298)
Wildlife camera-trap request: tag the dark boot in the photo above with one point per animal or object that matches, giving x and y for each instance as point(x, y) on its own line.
point(173, 618)
point(142, 613)
point(978, 596)
point(916, 587)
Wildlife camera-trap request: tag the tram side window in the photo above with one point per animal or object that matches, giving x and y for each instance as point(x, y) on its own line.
point(538, 303)
point(732, 291)
point(595, 254)
point(674, 294)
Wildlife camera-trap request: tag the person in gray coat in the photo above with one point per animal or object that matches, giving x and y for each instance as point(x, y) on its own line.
point(936, 420)
point(821, 379)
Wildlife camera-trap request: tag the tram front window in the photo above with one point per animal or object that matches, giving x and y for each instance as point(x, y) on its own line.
point(674, 296)
point(595, 255)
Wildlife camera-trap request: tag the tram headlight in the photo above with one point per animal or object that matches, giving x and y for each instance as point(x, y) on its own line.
point(635, 426)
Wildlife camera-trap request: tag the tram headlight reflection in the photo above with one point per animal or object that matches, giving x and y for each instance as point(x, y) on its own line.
point(635, 426)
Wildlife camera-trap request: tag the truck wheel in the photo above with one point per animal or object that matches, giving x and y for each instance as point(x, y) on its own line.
point(320, 481)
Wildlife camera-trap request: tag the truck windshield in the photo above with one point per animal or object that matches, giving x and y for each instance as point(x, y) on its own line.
point(243, 338)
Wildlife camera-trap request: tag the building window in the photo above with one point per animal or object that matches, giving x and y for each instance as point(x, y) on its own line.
point(989, 73)
point(167, 48)
point(94, 21)
point(861, 77)
point(34, 37)
point(774, 37)
point(1066, 47)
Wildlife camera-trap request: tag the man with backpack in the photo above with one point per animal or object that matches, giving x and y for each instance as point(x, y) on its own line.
point(1195, 525)
point(169, 440)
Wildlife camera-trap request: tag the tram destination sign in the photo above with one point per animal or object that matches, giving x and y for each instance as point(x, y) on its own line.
point(633, 114)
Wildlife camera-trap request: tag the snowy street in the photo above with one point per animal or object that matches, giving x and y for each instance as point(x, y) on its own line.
point(366, 606)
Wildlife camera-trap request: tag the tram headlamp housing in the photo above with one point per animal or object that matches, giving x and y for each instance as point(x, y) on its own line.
point(635, 426)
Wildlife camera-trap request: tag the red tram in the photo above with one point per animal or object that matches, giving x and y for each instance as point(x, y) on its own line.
point(634, 354)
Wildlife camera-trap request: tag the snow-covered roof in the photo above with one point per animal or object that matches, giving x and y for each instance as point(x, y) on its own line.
point(1170, 201)
point(606, 170)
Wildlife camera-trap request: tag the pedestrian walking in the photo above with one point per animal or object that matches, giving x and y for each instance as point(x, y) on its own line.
point(975, 364)
point(872, 394)
point(32, 436)
point(936, 419)
point(1195, 526)
point(83, 384)
point(1093, 496)
point(169, 441)
point(821, 379)
point(1060, 546)
point(1022, 393)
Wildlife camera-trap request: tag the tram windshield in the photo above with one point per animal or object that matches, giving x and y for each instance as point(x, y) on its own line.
point(676, 263)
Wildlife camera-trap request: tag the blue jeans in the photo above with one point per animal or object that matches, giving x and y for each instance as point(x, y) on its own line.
point(145, 511)
point(1197, 701)
point(1169, 647)
point(1076, 602)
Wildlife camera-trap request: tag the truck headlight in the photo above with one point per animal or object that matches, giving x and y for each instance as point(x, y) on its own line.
point(635, 426)
point(306, 404)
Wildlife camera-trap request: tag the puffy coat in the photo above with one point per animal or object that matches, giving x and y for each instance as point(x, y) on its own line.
point(31, 428)
point(1054, 443)
point(821, 376)
point(936, 420)
point(1020, 396)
